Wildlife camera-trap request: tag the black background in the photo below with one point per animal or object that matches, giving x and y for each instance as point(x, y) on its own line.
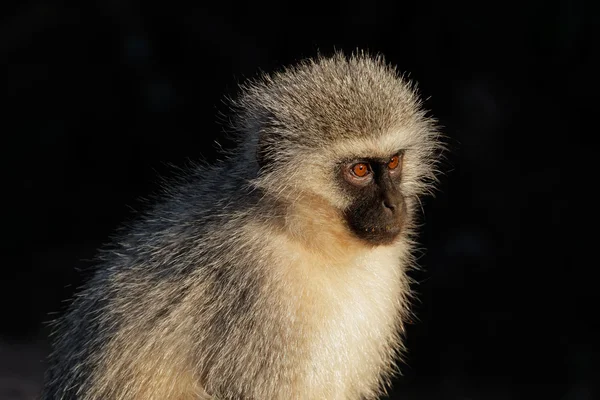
point(101, 96)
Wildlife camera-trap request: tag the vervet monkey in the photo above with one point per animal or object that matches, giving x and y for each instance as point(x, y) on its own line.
point(280, 271)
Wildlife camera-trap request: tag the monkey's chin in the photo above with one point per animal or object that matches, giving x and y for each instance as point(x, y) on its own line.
point(380, 236)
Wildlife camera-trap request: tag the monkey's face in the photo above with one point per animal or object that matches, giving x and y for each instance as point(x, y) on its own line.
point(377, 209)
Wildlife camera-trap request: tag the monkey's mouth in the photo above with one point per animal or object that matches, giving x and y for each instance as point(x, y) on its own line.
point(387, 229)
point(384, 234)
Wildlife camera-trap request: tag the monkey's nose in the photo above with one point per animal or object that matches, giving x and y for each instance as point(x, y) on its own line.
point(389, 205)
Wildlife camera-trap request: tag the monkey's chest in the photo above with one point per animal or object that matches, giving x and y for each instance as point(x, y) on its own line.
point(350, 317)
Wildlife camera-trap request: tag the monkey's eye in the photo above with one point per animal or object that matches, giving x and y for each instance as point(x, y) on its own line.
point(394, 162)
point(361, 170)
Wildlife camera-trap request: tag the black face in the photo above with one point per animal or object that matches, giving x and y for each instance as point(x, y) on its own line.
point(378, 209)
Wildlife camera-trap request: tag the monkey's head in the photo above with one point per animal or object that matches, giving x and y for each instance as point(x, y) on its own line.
point(343, 133)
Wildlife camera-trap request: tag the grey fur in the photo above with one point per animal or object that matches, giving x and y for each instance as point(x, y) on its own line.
point(191, 302)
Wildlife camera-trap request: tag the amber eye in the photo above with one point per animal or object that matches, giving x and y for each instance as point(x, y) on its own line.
point(361, 170)
point(394, 162)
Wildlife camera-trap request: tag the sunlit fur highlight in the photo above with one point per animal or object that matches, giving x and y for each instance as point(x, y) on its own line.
point(244, 281)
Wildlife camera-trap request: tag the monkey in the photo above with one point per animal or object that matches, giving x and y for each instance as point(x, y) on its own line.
point(280, 270)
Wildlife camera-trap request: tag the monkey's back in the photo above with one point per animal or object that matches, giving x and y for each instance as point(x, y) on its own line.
point(116, 334)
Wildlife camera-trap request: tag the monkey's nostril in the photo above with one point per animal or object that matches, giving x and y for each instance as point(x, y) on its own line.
point(389, 205)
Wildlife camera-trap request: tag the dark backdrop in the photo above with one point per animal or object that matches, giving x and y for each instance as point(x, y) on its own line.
point(101, 96)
